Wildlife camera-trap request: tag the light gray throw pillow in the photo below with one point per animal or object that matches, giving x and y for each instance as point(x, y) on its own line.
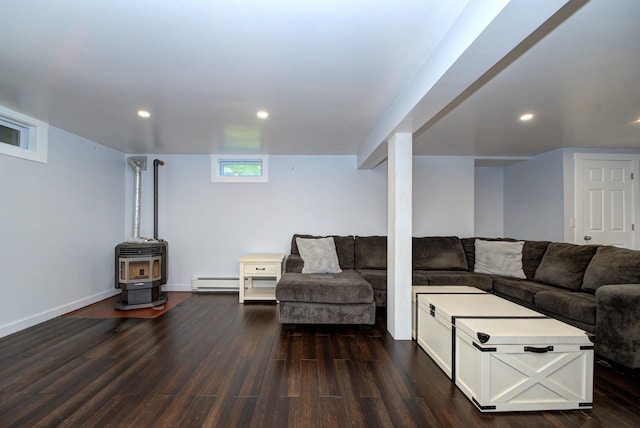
point(499, 258)
point(319, 255)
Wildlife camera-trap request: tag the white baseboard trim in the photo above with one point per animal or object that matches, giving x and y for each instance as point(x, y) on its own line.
point(177, 287)
point(24, 323)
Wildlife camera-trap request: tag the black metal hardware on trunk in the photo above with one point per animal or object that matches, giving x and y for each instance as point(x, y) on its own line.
point(483, 337)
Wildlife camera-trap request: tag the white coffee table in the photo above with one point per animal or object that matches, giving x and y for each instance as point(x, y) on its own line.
point(505, 357)
point(523, 364)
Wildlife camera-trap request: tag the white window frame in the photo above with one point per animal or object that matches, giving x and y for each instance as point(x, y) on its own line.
point(33, 145)
point(218, 160)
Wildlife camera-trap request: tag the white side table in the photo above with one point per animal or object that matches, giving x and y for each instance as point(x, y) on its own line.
point(259, 266)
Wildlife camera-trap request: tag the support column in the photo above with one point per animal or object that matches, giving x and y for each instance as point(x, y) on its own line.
point(399, 235)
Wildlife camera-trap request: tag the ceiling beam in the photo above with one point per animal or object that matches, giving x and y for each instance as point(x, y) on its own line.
point(486, 37)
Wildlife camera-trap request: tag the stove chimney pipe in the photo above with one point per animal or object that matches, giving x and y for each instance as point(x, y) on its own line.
point(138, 164)
point(156, 163)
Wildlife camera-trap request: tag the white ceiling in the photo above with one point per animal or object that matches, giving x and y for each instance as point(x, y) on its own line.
point(328, 71)
point(582, 82)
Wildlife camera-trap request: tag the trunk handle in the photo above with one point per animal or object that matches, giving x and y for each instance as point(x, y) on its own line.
point(538, 350)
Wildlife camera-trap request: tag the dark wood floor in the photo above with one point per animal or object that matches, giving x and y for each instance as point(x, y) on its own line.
point(213, 362)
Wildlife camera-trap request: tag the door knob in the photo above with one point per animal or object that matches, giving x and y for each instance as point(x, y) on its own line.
point(587, 238)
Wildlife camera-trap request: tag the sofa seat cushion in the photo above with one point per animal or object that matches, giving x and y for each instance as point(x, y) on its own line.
point(378, 278)
point(519, 289)
point(481, 281)
point(564, 264)
point(344, 287)
point(438, 253)
point(612, 265)
point(573, 305)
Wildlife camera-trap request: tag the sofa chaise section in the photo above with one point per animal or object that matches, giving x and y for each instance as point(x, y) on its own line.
point(325, 298)
point(337, 298)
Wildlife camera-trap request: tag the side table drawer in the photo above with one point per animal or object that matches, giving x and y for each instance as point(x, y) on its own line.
point(260, 269)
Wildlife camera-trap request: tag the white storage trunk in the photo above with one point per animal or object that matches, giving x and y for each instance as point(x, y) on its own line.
point(438, 314)
point(524, 364)
point(436, 289)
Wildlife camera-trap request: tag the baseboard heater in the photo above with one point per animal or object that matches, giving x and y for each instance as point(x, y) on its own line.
point(203, 283)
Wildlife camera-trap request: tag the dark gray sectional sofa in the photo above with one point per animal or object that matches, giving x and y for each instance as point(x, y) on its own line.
point(595, 288)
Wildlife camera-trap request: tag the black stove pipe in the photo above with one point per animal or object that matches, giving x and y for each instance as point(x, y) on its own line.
point(156, 163)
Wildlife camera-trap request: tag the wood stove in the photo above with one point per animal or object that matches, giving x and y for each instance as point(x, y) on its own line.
point(141, 270)
point(141, 263)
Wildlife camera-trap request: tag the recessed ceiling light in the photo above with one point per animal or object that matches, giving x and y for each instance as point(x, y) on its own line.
point(527, 116)
point(262, 114)
point(143, 113)
point(637, 121)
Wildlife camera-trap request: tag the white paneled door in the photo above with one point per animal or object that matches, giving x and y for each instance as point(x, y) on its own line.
point(605, 203)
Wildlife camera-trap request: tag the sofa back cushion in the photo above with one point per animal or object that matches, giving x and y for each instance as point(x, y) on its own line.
point(371, 252)
point(612, 265)
point(344, 248)
point(438, 253)
point(532, 254)
point(564, 265)
point(469, 247)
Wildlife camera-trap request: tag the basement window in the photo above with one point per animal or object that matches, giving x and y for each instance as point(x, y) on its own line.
point(22, 136)
point(239, 168)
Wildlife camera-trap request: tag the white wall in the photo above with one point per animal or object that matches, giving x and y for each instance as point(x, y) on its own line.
point(443, 196)
point(210, 225)
point(489, 201)
point(534, 198)
point(59, 223)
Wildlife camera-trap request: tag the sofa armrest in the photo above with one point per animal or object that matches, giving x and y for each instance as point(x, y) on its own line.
point(294, 263)
point(618, 323)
